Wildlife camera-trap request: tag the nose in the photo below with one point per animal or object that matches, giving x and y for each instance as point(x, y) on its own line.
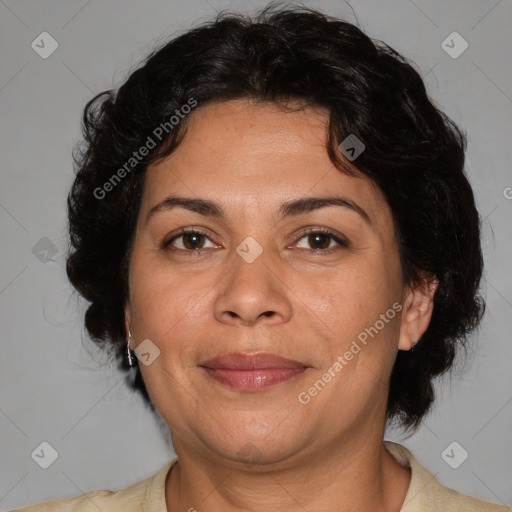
point(252, 293)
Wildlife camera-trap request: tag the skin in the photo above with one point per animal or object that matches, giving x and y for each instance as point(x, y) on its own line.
point(293, 300)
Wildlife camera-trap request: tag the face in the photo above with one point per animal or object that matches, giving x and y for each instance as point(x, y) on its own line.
point(257, 274)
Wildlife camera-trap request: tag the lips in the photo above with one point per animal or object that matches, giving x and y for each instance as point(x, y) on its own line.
point(239, 361)
point(252, 372)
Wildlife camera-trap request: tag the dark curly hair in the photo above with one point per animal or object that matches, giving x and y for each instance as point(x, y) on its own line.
point(414, 154)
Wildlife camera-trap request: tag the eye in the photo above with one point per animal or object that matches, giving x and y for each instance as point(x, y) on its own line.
point(322, 240)
point(191, 240)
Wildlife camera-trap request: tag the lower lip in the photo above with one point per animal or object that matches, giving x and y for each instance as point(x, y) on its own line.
point(253, 380)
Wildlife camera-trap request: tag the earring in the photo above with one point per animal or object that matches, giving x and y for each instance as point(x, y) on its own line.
point(131, 363)
point(414, 343)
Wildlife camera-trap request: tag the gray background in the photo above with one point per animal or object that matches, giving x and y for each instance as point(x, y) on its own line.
point(54, 384)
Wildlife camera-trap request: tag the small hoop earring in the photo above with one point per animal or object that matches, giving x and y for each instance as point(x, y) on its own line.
point(131, 362)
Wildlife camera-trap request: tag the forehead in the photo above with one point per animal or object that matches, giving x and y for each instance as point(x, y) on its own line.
point(247, 155)
point(251, 138)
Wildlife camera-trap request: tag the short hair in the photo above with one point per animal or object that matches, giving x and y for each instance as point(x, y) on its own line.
point(413, 152)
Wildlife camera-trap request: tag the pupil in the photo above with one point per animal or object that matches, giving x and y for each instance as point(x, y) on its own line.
point(195, 242)
point(316, 239)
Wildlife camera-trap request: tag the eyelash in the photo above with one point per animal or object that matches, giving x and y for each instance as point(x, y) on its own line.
point(198, 252)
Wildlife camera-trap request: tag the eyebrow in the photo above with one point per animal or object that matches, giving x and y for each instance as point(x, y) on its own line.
point(289, 208)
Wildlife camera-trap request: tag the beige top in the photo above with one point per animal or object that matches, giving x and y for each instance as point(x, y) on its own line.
point(425, 494)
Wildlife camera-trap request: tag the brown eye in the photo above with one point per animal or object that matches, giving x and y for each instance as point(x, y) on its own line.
point(320, 240)
point(188, 241)
point(193, 240)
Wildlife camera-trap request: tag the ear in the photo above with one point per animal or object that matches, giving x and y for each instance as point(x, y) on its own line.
point(417, 311)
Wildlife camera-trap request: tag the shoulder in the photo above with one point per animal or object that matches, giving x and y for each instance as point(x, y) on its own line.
point(104, 500)
point(147, 495)
point(426, 494)
point(450, 500)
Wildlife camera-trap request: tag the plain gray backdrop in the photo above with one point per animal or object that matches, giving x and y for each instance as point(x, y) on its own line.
point(56, 387)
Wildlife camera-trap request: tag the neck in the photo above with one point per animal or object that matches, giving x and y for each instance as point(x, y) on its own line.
point(349, 476)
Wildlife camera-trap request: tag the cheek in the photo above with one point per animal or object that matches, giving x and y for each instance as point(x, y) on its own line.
point(164, 300)
point(355, 294)
point(357, 306)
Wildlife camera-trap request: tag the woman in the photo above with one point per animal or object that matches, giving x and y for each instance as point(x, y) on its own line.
point(272, 225)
